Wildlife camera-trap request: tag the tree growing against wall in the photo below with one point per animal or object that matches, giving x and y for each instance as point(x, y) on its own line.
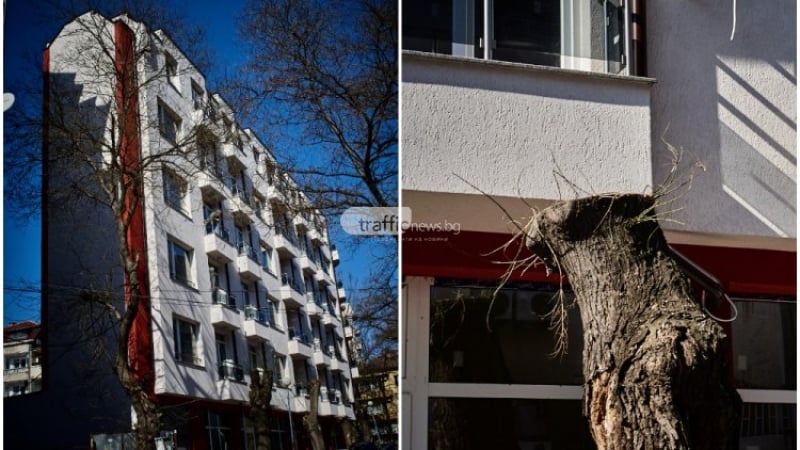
point(654, 362)
point(91, 129)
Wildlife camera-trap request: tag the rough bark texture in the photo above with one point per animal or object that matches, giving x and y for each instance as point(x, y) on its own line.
point(260, 409)
point(348, 431)
point(311, 419)
point(653, 362)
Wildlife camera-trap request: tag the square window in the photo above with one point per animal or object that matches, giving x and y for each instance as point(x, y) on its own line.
point(180, 263)
point(169, 124)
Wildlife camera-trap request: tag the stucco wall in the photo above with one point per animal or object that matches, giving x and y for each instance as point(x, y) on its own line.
point(509, 129)
point(731, 106)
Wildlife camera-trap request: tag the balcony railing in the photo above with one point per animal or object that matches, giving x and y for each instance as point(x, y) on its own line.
point(219, 231)
point(247, 249)
point(221, 297)
point(253, 313)
point(231, 371)
point(288, 280)
point(299, 336)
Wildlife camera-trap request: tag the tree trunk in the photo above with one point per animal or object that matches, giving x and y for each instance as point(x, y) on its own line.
point(311, 419)
point(347, 431)
point(653, 362)
point(260, 408)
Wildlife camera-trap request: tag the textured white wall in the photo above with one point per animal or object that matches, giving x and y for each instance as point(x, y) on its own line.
point(509, 128)
point(730, 105)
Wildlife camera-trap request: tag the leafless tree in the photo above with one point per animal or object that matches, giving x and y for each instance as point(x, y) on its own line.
point(654, 361)
point(92, 119)
point(323, 76)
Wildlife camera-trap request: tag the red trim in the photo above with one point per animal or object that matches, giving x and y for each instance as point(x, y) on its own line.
point(45, 310)
point(140, 344)
point(473, 255)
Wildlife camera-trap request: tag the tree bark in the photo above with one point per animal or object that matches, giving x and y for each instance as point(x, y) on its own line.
point(347, 431)
point(654, 363)
point(260, 408)
point(311, 419)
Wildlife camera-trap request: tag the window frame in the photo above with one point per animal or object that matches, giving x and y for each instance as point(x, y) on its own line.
point(176, 191)
point(179, 352)
point(169, 123)
point(188, 266)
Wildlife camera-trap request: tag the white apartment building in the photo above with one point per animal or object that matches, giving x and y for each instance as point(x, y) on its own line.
point(22, 350)
point(574, 98)
point(238, 266)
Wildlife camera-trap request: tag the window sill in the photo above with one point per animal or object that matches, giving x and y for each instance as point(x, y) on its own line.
point(190, 365)
point(182, 211)
point(185, 283)
point(444, 58)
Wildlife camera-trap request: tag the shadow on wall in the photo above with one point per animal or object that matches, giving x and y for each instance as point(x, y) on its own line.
point(730, 105)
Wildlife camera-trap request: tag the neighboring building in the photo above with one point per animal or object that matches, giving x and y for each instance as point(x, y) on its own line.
point(22, 349)
point(573, 98)
point(377, 395)
point(237, 264)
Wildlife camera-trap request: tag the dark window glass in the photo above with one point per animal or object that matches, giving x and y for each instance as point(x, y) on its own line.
point(428, 26)
point(499, 424)
point(768, 426)
point(518, 349)
point(764, 337)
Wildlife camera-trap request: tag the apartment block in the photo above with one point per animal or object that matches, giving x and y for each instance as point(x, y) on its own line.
point(22, 350)
point(510, 106)
point(237, 265)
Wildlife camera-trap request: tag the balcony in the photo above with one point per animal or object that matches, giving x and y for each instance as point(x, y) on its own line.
point(292, 292)
point(315, 236)
point(285, 244)
point(256, 324)
point(218, 245)
point(307, 264)
point(231, 385)
point(322, 277)
point(247, 262)
point(313, 308)
point(300, 222)
point(234, 153)
point(299, 345)
point(229, 370)
point(209, 180)
point(334, 255)
point(340, 291)
point(320, 358)
point(223, 310)
point(328, 319)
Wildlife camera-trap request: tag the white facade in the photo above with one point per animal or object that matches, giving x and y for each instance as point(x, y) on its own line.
point(239, 264)
point(532, 124)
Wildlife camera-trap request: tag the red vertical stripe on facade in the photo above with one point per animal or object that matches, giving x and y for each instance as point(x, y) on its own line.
point(45, 215)
point(140, 344)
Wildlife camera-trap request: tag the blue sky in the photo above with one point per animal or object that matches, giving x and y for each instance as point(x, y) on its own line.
point(24, 38)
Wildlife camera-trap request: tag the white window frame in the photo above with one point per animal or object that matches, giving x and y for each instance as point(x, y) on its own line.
point(176, 191)
point(176, 250)
point(416, 390)
point(179, 350)
point(169, 123)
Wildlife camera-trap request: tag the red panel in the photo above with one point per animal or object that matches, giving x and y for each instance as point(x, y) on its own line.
point(140, 344)
point(473, 255)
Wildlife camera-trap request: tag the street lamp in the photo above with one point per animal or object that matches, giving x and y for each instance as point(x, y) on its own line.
point(371, 413)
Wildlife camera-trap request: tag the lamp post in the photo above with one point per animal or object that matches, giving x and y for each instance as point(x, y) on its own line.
point(289, 400)
point(371, 413)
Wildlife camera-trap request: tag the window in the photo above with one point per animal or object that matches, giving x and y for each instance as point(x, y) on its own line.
point(175, 190)
point(168, 123)
point(279, 363)
point(573, 34)
point(186, 343)
point(197, 96)
point(180, 263)
point(14, 389)
point(171, 69)
point(475, 355)
point(16, 363)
